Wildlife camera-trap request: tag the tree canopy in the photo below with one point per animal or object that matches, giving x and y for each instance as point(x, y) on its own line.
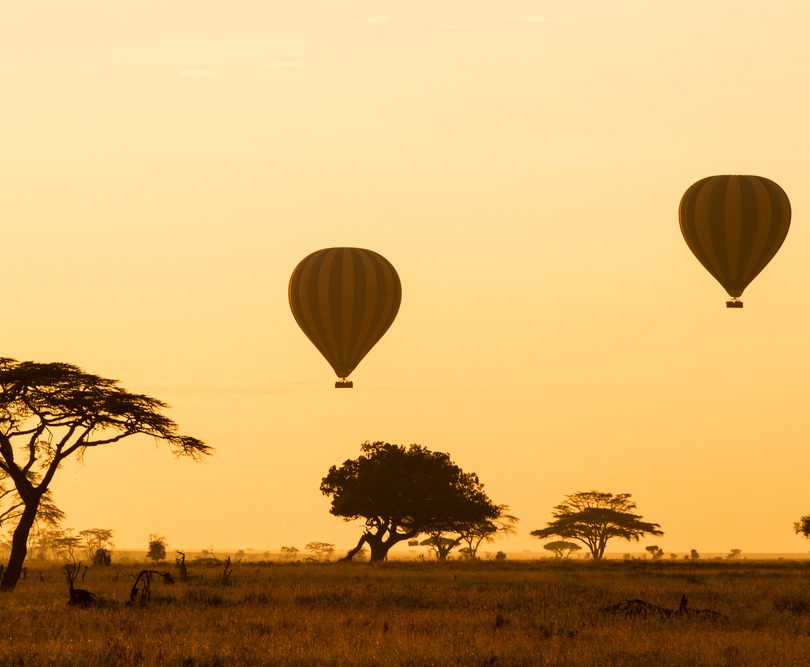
point(52, 411)
point(562, 549)
point(476, 533)
point(157, 548)
point(802, 526)
point(594, 517)
point(401, 492)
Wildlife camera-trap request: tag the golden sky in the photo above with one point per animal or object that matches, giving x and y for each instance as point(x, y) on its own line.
point(165, 165)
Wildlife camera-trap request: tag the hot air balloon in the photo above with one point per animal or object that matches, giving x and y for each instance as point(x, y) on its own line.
point(344, 300)
point(734, 225)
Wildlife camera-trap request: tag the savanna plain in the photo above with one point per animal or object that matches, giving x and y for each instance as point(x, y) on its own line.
point(417, 613)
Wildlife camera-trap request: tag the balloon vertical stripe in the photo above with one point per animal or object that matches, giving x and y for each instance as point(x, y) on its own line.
point(344, 299)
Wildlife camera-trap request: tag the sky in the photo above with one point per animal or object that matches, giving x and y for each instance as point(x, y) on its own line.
point(165, 166)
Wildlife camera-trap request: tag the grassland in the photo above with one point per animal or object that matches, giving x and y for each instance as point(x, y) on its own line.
point(408, 613)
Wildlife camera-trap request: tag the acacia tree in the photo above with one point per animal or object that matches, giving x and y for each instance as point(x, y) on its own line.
point(289, 553)
point(655, 551)
point(478, 532)
point(440, 544)
point(402, 492)
point(472, 534)
point(562, 549)
point(50, 412)
point(594, 517)
point(63, 544)
point(802, 526)
point(95, 540)
point(321, 550)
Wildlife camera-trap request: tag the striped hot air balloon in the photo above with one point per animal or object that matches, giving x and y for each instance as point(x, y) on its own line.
point(344, 300)
point(734, 225)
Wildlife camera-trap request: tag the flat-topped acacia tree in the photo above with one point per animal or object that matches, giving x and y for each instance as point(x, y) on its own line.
point(594, 517)
point(52, 411)
point(401, 492)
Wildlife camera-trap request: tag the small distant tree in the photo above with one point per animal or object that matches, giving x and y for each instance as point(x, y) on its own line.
point(56, 544)
point(289, 553)
point(95, 539)
point(693, 554)
point(562, 549)
point(656, 552)
point(734, 554)
point(64, 545)
point(157, 548)
point(321, 550)
point(474, 535)
point(802, 526)
point(440, 544)
point(594, 517)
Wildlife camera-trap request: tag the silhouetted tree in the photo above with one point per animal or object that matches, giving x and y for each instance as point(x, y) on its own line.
point(440, 544)
point(50, 412)
point(289, 553)
point(734, 554)
point(55, 543)
point(694, 555)
point(487, 530)
point(95, 539)
point(655, 551)
point(562, 549)
point(322, 550)
point(594, 517)
point(63, 544)
point(157, 548)
point(472, 535)
point(402, 492)
point(802, 526)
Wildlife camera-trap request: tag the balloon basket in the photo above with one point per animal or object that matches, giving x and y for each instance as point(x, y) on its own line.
point(344, 384)
point(734, 303)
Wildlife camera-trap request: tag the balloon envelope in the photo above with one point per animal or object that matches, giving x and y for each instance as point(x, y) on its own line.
point(734, 225)
point(344, 300)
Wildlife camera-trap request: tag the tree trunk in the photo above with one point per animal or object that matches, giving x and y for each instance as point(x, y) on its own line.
point(379, 550)
point(19, 547)
point(356, 549)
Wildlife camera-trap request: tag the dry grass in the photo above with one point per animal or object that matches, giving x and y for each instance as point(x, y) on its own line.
point(419, 614)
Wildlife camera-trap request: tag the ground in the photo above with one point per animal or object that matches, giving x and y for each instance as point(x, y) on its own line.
point(416, 613)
